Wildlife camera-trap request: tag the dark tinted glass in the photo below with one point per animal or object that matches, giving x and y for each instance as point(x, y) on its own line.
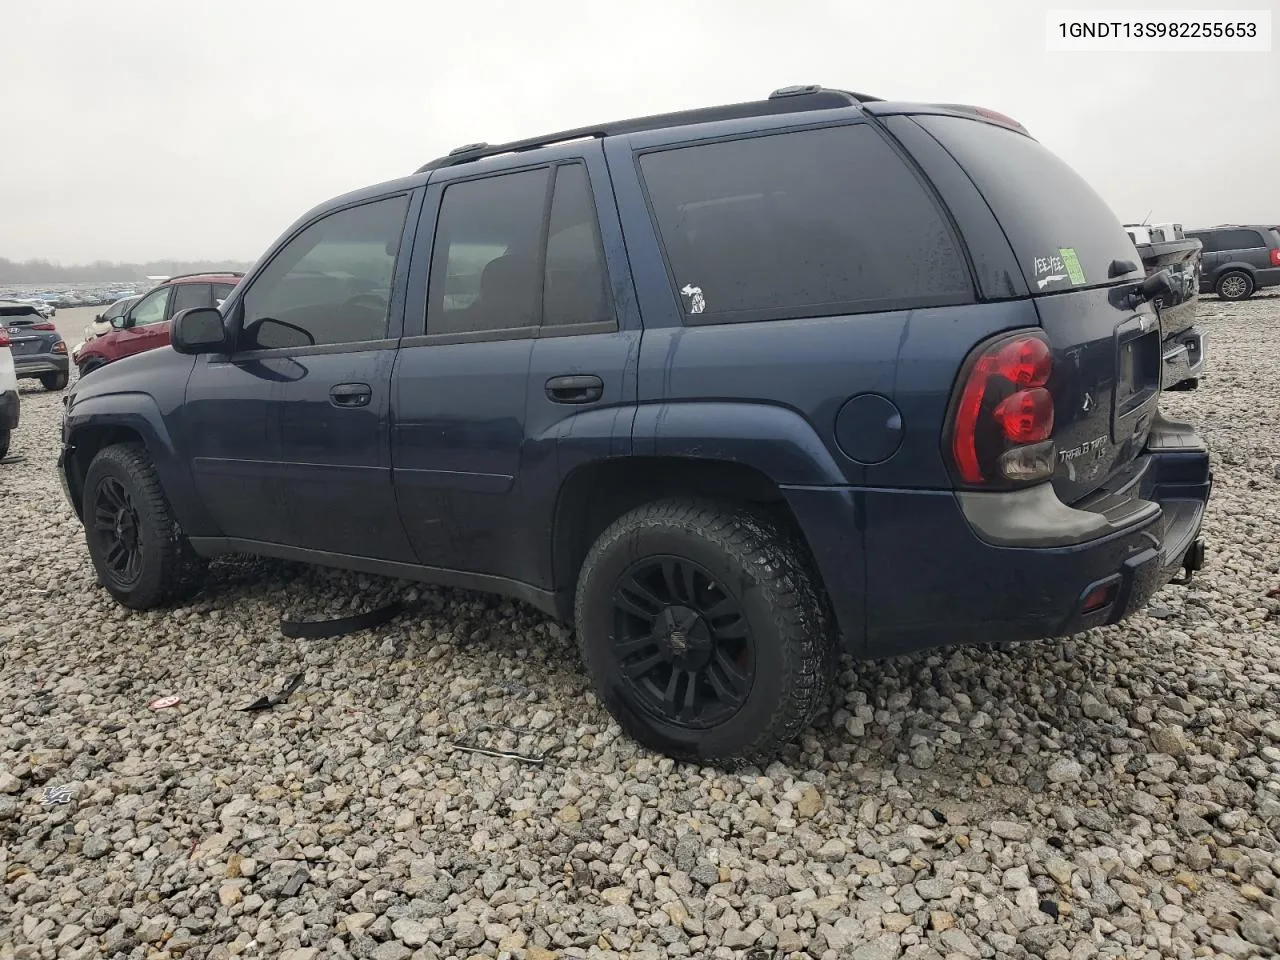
point(187, 295)
point(221, 291)
point(1239, 239)
point(484, 268)
point(329, 284)
point(1047, 210)
point(810, 222)
point(575, 290)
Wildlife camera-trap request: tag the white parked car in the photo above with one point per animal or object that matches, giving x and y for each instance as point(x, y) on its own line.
point(10, 403)
point(102, 322)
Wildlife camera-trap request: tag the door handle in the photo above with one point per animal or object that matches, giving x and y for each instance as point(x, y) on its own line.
point(578, 389)
point(350, 394)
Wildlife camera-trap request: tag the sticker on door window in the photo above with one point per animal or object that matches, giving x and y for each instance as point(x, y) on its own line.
point(697, 303)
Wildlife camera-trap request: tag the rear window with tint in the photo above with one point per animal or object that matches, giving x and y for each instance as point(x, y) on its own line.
point(1062, 232)
point(800, 224)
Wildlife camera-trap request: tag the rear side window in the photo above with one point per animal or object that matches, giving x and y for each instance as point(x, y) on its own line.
point(1062, 232)
point(800, 224)
point(188, 295)
point(484, 266)
point(1238, 239)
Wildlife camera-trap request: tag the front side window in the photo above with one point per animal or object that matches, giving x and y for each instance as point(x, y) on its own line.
point(804, 223)
point(189, 295)
point(484, 264)
point(330, 284)
point(152, 308)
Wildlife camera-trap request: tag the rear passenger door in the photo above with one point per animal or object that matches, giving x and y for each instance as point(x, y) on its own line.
point(521, 347)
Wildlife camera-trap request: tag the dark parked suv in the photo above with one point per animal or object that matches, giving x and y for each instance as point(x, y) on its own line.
point(39, 352)
point(732, 389)
point(1238, 260)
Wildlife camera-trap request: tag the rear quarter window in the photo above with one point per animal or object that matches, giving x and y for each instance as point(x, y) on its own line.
point(805, 223)
point(1062, 232)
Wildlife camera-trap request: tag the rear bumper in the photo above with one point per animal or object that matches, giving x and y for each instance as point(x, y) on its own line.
point(40, 363)
point(10, 409)
point(933, 578)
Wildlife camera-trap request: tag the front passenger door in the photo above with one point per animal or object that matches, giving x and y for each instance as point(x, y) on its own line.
point(324, 314)
point(142, 323)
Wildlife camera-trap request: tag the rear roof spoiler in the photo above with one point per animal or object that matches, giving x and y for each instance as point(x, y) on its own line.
point(969, 110)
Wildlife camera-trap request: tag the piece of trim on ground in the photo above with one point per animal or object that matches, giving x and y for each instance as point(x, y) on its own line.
point(323, 629)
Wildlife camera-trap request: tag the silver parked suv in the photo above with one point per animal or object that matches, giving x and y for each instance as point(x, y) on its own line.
point(1238, 260)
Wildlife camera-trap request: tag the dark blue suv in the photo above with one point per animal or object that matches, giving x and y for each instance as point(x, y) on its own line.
point(733, 390)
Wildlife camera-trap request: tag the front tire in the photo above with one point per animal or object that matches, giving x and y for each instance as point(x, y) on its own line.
point(1235, 285)
point(53, 381)
point(137, 548)
point(702, 628)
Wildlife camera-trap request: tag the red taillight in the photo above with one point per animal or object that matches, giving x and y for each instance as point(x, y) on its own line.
point(1275, 257)
point(4, 338)
point(1026, 416)
point(1004, 416)
point(60, 347)
point(42, 326)
point(1025, 362)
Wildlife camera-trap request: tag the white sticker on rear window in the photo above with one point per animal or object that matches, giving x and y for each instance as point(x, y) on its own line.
point(1050, 264)
point(697, 303)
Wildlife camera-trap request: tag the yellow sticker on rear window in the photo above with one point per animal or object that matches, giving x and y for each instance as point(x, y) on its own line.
point(1072, 263)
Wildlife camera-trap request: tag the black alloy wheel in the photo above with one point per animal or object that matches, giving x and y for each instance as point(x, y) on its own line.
point(682, 642)
point(115, 523)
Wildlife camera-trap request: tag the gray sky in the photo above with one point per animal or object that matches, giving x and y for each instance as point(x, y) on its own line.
point(202, 130)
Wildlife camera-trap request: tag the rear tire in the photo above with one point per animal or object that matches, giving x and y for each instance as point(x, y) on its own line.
point(1235, 285)
point(138, 550)
point(54, 381)
point(702, 627)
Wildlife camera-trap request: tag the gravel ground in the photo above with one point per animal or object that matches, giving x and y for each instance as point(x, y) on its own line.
point(1116, 794)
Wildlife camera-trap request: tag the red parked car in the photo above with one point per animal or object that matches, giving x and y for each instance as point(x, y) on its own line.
point(145, 325)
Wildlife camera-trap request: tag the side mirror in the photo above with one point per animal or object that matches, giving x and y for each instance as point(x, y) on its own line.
point(97, 318)
point(119, 322)
point(198, 330)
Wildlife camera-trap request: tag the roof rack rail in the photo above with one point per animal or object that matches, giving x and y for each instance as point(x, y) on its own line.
point(205, 273)
point(794, 99)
